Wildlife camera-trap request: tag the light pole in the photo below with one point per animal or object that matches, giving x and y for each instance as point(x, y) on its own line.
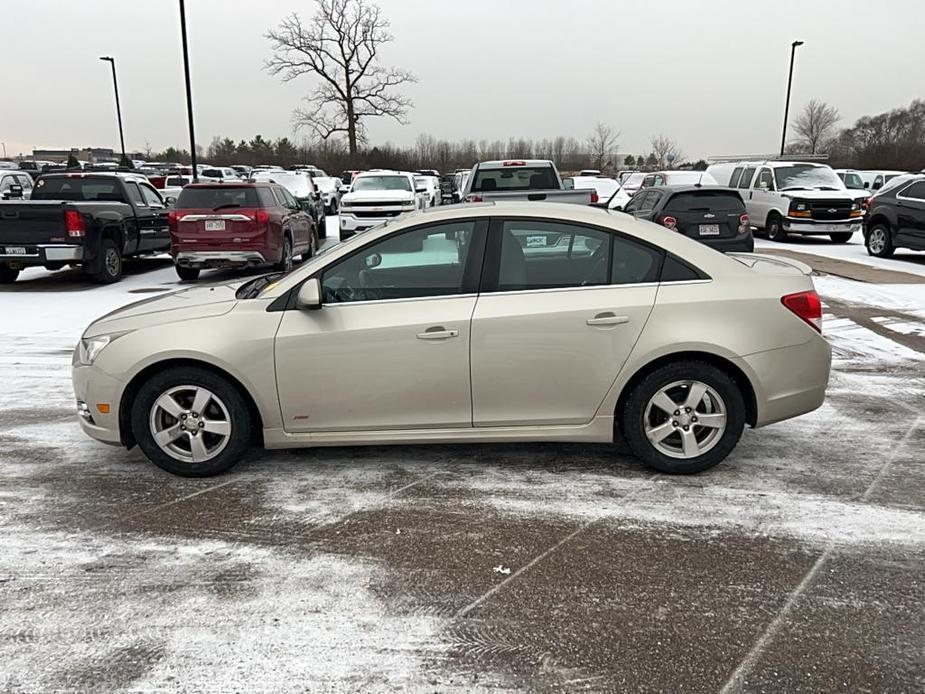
point(783, 137)
point(115, 84)
point(189, 93)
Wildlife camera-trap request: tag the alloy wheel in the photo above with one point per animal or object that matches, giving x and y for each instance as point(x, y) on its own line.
point(876, 241)
point(685, 419)
point(190, 423)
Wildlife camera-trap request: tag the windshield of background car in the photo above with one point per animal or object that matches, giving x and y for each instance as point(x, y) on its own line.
point(515, 178)
point(76, 189)
point(853, 181)
point(803, 176)
point(381, 183)
point(219, 196)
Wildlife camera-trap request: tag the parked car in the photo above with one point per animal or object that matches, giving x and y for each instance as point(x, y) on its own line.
point(896, 219)
point(602, 186)
point(854, 184)
point(785, 197)
point(243, 171)
point(172, 186)
point(219, 175)
point(238, 225)
point(91, 221)
point(670, 346)
point(713, 215)
point(328, 187)
point(376, 197)
point(431, 187)
point(449, 194)
point(15, 184)
point(633, 182)
point(874, 180)
point(527, 179)
point(592, 173)
point(303, 188)
point(677, 178)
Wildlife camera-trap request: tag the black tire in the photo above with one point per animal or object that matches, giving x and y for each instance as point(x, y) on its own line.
point(775, 228)
point(108, 267)
point(241, 424)
point(841, 237)
point(285, 262)
point(312, 246)
point(187, 274)
point(882, 246)
point(7, 274)
point(632, 416)
point(323, 227)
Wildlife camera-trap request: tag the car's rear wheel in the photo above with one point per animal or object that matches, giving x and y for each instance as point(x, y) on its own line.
point(108, 267)
point(775, 228)
point(187, 274)
point(879, 242)
point(312, 247)
point(285, 261)
point(7, 274)
point(683, 417)
point(841, 237)
point(191, 422)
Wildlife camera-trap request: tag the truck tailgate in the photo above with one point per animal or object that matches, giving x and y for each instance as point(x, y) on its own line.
point(32, 222)
point(579, 197)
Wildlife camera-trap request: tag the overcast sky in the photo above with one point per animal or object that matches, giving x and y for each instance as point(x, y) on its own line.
point(712, 74)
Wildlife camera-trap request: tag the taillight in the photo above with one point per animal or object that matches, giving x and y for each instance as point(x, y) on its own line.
point(172, 220)
point(262, 217)
point(475, 198)
point(669, 222)
point(867, 202)
point(74, 223)
point(594, 197)
point(743, 223)
point(807, 306)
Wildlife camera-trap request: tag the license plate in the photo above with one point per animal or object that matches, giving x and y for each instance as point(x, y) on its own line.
point(215, 225)
point(709, 229)
point(15, 250)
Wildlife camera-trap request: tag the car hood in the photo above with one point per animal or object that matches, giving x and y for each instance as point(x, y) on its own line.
point(379, 196)
point(818, 194)
point(185, 304)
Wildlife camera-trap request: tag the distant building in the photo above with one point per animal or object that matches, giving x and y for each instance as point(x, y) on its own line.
point(93, 155)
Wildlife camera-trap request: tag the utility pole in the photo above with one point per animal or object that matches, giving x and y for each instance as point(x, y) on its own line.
point(189, 92)
point(115, 84)
point(783, 137)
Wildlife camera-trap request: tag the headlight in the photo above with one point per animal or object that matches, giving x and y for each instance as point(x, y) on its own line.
point(89, 348)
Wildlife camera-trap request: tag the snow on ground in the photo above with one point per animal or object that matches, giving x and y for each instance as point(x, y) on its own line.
point(854, 251)
point(908, 298)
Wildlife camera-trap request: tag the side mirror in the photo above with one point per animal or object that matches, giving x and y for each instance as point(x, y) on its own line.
point(373, 260)
point(309, 298)
point(867, 184)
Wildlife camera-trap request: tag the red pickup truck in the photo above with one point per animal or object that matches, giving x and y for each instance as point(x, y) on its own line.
point(217, 225)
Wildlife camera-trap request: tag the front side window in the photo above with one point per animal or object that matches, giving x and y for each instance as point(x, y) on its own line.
point(135, 194)
point(426, 262)
point(152, 199)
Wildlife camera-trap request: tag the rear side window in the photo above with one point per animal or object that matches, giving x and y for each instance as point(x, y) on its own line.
point(734, 179)
point(706, 200)
point(676, 270)
point(266, 198)
point(219, 196)
point(515, 178)
point(916, 190)
point(746, 179)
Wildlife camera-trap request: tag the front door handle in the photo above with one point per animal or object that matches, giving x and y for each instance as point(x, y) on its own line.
point(608, 318)
point(437, 332)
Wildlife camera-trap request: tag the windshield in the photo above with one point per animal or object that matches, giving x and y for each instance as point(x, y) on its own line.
point(807, 177)
point(852, 181)
point(217, 196)
point(381, 183)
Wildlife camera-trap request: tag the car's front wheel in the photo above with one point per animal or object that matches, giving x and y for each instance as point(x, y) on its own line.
point(879, 242)
point(7, 274)
point(683, 417)
point(191, 422)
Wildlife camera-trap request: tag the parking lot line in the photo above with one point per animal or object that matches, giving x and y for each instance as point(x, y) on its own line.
point(533, 562)
point(737, 679)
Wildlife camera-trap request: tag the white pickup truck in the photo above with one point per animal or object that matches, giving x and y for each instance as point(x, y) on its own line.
point(378, 196)
point(531, 179)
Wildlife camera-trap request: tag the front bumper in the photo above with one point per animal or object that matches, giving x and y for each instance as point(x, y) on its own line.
point(94, 389)
point(212, 259)
point(810, 226)
point(790, 381)
point(41, 254)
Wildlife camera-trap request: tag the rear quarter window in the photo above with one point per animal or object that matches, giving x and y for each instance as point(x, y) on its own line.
point(705, 200)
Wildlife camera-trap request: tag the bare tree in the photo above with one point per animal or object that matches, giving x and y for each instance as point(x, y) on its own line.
point(815, 125)
point(666, 151)
point(340, 47)
point(602, 144)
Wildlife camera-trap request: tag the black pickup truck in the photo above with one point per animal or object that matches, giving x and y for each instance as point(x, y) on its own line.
point(88, 220)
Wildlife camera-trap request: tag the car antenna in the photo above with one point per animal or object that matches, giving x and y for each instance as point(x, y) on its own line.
point(700, 180)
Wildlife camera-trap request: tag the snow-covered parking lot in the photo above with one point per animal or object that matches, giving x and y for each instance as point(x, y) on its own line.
point(797, 565)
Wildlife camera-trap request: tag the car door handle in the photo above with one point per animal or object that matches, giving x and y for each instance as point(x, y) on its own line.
point(608, 318)
point(437, 333)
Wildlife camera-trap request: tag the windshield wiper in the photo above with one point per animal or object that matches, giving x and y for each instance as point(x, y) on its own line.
point(226, 206)
point(251, 289)
point(825, 188)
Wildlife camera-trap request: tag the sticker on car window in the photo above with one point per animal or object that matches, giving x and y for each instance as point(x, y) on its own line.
point(536, 241)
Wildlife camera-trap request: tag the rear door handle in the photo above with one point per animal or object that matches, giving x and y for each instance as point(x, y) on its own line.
point(608, 318)
point(438, 332)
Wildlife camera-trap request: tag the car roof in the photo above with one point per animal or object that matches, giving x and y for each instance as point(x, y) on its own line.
point(223, 186)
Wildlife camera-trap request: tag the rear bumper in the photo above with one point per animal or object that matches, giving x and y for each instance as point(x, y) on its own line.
point(743, 243)
point(810, 226)
point(790, 381)
point(41, 254)
point(212, 259)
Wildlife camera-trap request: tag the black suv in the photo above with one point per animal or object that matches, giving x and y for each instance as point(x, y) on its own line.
point(713, 215)
point(896, 219)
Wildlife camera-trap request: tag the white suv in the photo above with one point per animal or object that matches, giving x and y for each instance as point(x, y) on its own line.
point(376, 197)
point(784, 197)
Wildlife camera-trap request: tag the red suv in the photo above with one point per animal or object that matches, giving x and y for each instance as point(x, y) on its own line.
point(238, 225)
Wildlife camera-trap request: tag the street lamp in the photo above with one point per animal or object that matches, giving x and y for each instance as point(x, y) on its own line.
point(115, 84)
point(793, 52)
point(189, 93)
